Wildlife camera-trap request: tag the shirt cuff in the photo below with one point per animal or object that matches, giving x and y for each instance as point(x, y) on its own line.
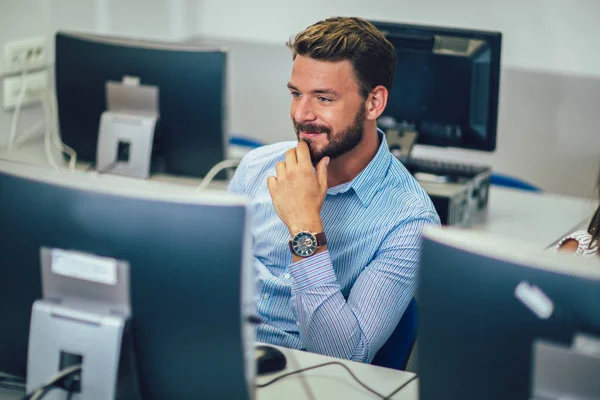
point(312, 271)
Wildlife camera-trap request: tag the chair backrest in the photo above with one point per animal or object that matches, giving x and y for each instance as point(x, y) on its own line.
point(396, 351)
point(512, 182)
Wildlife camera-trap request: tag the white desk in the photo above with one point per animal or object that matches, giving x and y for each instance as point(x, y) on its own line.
point(334, 382)
point(330, 382)
point(539, 218)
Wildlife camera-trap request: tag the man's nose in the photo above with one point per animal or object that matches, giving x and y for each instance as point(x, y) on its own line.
point(304, 111)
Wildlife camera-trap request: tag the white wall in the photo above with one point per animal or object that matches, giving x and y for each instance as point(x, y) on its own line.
point(555, 35)
point(157, 19)
point(550, 39)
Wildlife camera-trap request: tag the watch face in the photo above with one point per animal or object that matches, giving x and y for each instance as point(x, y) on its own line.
point(304, 244)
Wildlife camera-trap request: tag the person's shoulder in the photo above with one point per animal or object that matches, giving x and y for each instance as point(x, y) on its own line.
point(579, 242)
point(405, 193)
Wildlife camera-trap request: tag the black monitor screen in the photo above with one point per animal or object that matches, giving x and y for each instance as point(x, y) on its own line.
point(191, 134)
point(446, 84)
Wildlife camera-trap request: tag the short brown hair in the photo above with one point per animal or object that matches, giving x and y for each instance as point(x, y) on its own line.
point(372, 56)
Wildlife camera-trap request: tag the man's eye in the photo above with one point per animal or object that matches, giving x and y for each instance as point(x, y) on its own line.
point(324, 100)
point(295, 94)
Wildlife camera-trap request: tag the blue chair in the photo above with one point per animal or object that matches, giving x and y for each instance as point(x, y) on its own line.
point(238, 140)
point(396, 351)
point(512, 182)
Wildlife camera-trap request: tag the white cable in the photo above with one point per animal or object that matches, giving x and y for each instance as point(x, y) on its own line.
point(54, 132)
point(32, 130)
point(17, 112)
point(47, 134)
point(65, 372)
point(215, 170)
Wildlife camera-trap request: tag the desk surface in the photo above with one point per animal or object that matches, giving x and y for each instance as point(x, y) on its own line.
point(333, 381)
point(538, 218)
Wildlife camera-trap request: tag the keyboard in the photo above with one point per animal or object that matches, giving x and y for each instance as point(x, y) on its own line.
point(444, 168)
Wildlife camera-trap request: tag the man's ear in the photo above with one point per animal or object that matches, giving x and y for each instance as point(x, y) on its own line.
point(376, 102)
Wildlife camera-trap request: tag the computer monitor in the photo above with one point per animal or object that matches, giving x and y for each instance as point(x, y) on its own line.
point(192, 132)
point(476, 336)
point(446, 84)
point(189, 255)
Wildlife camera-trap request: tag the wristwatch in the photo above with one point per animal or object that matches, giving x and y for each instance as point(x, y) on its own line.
point(305, 244)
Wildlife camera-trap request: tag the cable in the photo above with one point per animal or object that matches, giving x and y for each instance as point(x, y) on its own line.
point(33, 129)
point(54, 131)
point(47, 140)
point(108, 168)
point(389, 396)
point(49, 385)
point(92, 167)
point(215, 170)
point(17, 112)
point(319, 366)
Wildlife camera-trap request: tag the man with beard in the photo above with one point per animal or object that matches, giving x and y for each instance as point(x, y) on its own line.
point(336, 218)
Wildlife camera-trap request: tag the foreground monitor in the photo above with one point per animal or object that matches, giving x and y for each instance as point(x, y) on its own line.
point(189, 260)
point(484, 304)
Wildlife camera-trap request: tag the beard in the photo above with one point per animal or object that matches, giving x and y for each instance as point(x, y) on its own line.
point(338, 144)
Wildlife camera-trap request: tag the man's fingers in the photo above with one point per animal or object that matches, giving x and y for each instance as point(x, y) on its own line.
point(303, 154)
point(272, 184)
point(280, 169)
point(290, 157)
point(322, 173)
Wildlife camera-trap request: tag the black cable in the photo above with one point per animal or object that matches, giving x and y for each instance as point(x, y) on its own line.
point(389, 396)
point(319, 366)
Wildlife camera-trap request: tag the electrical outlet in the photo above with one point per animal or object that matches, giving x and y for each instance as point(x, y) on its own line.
point(37, 83)
point(25, 54)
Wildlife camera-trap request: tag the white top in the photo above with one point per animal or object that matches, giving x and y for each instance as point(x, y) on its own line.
point(587, 247)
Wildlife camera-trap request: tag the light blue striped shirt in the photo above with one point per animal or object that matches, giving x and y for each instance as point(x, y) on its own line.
point(346, 301)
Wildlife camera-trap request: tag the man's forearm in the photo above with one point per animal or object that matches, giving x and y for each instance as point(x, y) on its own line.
point(327, 323)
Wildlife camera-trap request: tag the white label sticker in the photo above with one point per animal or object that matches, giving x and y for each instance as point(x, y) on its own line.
point(534, 299)
point(84, 266)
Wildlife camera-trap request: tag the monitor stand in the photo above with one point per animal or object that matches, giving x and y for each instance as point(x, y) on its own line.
point(566, 372)
point(81, 320)
point(127, 128)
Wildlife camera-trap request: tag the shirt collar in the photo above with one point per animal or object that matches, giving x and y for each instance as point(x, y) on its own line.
point(366, 183)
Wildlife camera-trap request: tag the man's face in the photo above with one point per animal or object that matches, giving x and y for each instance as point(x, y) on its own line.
point(327, 109)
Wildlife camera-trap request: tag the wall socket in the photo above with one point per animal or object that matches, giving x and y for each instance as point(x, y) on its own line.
point(25, 54)
point(37, 84)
